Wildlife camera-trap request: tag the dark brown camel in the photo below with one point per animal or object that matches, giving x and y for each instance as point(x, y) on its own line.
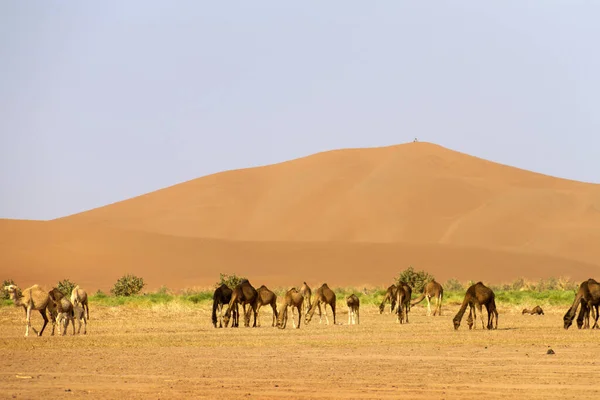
point(325, 296)
point(403, 302)
point(306, 294)
point(390, 296)
point(221, 296)
point(588, 296)
point(294, 299)
point(244, 294)
point(478, 295)
point(265, 297)
point(353, 304)
point(537, 310)
point(431, 290)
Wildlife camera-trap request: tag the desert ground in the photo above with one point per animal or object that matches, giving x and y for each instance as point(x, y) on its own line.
point(173, 351)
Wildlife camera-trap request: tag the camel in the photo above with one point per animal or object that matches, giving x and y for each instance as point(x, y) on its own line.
point(221, 296)
point(294, 299)
point(324, 296)
point(403, 296)
point(32, 298)
point(63, 311)
point(431, 290)
point(79, 296)
point(588, 295)
point(265, 297)
point(537, 310)
point(478, 295)
point(244, 294)
point(353, 304)
point(306, 294)
point(79, 315)
point(390, 295)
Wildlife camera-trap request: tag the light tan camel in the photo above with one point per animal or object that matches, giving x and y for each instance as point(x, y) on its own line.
point(478, 295)
point(403, 296)
point(537, 310)
point(294, 299)
point(306, 293)
point(390, 296)
point(353, 303)
point(244, 294)
point(325, 296)
point(32, 298)
point(431, 290)
point(62, 312)
point(79, 296)
point(588, 296)
point(265, 297)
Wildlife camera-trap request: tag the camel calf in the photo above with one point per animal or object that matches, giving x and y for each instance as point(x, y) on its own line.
point(353, 304)
point(537, 310)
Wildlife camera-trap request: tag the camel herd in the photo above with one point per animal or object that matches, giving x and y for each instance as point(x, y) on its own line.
point(304, 303)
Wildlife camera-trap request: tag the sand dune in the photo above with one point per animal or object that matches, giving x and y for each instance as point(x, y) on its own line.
point(351, 217)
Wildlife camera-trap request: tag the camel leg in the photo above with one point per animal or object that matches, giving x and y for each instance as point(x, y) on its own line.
point(258, 315)
point(480, 307)
point(325, 310)
point(43, 312)
point(439, 305)
point(274, 307)
point(333, 311)
point(319, 307)
point(428, 306)
point(470, 318)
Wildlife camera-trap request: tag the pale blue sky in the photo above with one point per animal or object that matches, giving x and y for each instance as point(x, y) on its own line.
point(107, 100)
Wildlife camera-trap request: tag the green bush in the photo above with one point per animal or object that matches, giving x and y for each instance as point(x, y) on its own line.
point(4, 294)
point(415, 279)
point(453, 285)
point(230, 280)
point(66, 287)
point(128, 285)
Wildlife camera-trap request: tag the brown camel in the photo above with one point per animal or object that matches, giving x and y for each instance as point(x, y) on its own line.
point(32, 298)
point(390, 296)
point(62, 311)
point(244, 294)
point(306, 293)
point(537, 310)
point(478, 295)
point(79, 296)
point(294, 299)
point(353, 304)
point(431, 290)
point(403, 296)
point(221, 296)
point(265, 297)
point(324, 296)
point(588, 296)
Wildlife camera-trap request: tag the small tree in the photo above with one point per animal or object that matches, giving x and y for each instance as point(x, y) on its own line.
point(415, 279)
point(66, 287)
point(230, 280)
point(128, 285)
point(4, 294)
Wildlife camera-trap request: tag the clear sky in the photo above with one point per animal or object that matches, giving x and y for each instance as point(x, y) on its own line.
point(102, 101)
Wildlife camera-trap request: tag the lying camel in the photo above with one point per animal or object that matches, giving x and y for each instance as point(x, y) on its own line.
point(306, 293)
point(32, 298)
point(294, 299)
point(353, 304)
point(324, 296)
point(79, 296)
point(431, 290)
point(265, 297)
point(244, 294)
point(221, 296)
point(390, 296)
point(478, 295)
point(403, 296)
point(537, 310)
point(588, 296)
point(62, 311)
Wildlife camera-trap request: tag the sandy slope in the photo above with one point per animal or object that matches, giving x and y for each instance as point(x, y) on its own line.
point(357, 216)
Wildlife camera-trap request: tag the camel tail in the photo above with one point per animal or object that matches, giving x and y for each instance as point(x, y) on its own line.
point(417, 300)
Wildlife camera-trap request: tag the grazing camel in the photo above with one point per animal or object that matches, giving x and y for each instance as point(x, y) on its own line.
point(353, 304)
point(265, 297)
point(431, 290)
point(537, 310)
point(294, 299)
point(306, 293)
point(63, 311)
point(588, 295)
point(478, 295)
point(221, 296)
point(79, 296)
point(324, 296)
point(390, 296)
point(32, 298)
point(403, 302)
point(244, 294)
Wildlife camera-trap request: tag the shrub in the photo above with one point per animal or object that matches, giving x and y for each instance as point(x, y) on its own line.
point(4, 294)
point(415, 279)
point(453, 285)
point(230, 280)
point(66, 287)
point(128, 285)
point(100, 294)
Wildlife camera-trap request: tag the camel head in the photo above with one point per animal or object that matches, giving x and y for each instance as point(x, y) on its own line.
point(226, 319)
point(381, 307)
point(308, 317)
point(456, 322)
point(568, 321)
point(12, 290)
